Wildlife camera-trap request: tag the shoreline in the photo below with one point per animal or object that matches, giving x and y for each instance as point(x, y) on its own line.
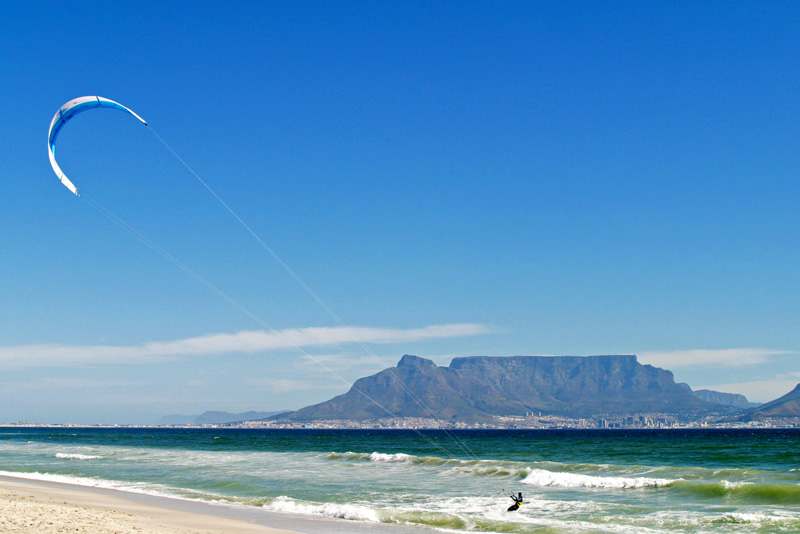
point(775, 423)
point(48, 507)
point(44, 507)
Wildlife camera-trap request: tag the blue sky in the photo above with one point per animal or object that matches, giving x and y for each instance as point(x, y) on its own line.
point(451, 179)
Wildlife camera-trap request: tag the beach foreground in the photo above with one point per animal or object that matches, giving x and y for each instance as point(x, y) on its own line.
point(35, 508)
point(316, 481)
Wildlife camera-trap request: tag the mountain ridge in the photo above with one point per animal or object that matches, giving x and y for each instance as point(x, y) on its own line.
point(785, 406)
point(727, 399)
point(214, 418)
point(479, 388)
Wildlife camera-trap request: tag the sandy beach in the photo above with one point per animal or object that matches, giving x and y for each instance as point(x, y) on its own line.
point(35, 508)
point(38, 507)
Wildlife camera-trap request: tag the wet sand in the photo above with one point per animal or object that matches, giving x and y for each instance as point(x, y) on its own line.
point(43, 508)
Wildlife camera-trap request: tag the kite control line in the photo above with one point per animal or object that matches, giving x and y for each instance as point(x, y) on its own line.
point(79, 105)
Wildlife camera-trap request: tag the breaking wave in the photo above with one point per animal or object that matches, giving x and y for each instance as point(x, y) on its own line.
point(392, 458)
point(540, 477)
point(67, 456)
point(534, 473)
point(449, 521)
point(339, 510)
point(745, 492)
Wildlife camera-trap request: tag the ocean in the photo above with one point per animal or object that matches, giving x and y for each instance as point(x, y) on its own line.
point(573, 481)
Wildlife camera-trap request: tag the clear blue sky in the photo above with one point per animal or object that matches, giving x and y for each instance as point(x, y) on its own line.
point(455, 178)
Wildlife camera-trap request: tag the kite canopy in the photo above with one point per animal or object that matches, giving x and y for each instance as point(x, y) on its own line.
point(65, 113)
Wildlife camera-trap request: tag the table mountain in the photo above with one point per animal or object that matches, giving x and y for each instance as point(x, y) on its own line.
point(480, 387)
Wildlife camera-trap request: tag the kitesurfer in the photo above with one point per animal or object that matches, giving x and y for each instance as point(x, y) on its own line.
point(517, 502)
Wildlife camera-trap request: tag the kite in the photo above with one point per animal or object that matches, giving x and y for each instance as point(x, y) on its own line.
point(65, 113)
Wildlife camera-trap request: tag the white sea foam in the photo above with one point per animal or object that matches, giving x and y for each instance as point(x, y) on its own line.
point(743, 518)
point(383, 457)
point(62, 479)
point(540, 477)
point(727, 484)
point(387, 457)
point(338, 510)
point(684, 519)
point(146, 489)
point(77, 456)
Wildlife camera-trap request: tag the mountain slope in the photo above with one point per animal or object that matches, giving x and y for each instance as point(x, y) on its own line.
point(480, 387)
point(726, 399)
point(213, 418)
point(785, 406)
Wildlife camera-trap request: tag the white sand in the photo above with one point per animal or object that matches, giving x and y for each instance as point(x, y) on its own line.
point(33, 508)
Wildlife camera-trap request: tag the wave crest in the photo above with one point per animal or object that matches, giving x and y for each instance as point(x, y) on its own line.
point(338, 510)
point(743, 491)
point(75, 456)
point(540, 477)
point(389, 457)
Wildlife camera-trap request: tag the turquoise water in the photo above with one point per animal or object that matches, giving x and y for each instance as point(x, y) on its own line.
point(574, 481)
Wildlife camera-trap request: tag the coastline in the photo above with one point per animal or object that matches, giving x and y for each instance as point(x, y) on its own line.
point(638, 421)
point(43, 507)
point(325, 482)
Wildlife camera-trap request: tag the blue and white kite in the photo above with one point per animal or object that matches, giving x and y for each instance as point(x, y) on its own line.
point(65, 113)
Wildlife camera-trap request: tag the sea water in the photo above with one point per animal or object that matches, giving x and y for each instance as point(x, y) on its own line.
point(573, 481)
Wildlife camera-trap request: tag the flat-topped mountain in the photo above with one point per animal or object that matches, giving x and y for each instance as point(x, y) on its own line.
point(481, 387)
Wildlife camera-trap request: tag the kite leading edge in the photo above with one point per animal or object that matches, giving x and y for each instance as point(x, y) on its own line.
point(65, 113)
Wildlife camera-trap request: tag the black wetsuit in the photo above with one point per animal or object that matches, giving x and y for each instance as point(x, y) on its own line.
point(517, 501)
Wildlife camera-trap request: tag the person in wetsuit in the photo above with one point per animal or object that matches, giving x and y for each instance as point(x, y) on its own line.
point(517, 502)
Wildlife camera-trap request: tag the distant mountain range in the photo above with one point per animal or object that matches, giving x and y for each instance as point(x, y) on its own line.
point(481, 387)
point(726, 399)
point(214, 418)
